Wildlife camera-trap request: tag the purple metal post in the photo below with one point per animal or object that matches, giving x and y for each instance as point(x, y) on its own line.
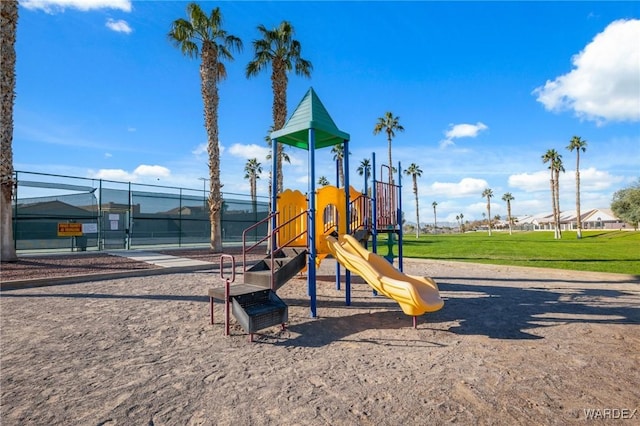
point(227, 282)
point(226, 307)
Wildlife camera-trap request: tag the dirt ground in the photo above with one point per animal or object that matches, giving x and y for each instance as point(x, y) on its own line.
point(511, 346)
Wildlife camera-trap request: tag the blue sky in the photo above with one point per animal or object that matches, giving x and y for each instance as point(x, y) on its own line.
point(483, 90)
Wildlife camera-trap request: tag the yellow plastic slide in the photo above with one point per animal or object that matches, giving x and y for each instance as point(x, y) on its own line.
point(416, 295)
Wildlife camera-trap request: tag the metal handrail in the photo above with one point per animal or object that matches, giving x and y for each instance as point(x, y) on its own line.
point(364, 222)
point(304, 212)
point(270, 236)
point(227, 282)
point(245, 250)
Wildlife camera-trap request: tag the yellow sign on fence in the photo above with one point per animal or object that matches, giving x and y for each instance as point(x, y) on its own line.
point(69, 229)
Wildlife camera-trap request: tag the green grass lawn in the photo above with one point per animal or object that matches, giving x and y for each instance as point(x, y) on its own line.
point(611, 251)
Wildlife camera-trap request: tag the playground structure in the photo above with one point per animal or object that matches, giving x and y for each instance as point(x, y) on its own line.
point(306, 228)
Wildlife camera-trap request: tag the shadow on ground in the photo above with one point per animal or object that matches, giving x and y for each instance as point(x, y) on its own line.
point(495, 311)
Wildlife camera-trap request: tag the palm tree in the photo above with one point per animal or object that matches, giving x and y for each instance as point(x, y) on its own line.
point(488, 194)
point(323, 181)
point(557, 168)
point(9, 14)
point(435, 222)
point(579, 145)
point(390, 125)
point(461, 223)
point(203, 36)
point(508, 198)
point(338, 156)
point(415, 172)
point(364, 169)
point(551, 157)
point(252, 172)
point(278, 48)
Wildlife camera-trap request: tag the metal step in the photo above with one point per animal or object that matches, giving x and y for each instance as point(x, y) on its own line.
point(282, 269)
point(258, 310)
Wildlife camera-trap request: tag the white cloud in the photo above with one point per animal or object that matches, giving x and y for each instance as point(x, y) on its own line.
point(200, 149)
point(142, 172)
point(445, 143)
point(466, 187)
point(51, 6)
point(151, 171)
point(604, 84)
point(462, 131)
point(108, 155)
point(531, 182)
point(465, 130)
point(594, 180)
point(119, 26)
point(249, 151)
point(591, 179)
point(476, 210)
point(112, 174)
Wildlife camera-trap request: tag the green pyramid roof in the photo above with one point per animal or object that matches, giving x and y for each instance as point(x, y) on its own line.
point(310, 114)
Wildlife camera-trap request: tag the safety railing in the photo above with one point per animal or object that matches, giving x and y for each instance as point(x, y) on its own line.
point(360, 218)
point(270, 238)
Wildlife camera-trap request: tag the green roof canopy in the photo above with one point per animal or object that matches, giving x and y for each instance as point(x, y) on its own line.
point(310, 114)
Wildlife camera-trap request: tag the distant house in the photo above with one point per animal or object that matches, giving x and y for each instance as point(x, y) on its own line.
point(535, 222)
point(51, 209)
point(36, 222)
point(591, 219)
point(601, 219)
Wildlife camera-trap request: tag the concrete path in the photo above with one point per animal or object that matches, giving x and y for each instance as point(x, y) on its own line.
point(167, 264)
point(162, 260)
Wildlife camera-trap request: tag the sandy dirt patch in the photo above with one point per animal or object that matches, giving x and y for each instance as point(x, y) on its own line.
point(511, 346)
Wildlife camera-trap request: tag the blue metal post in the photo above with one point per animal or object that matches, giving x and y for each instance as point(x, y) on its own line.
point(338, 264)
point(348, 219)
point(399, 215)
point(311, 227)
point(374, 201)
point(274, 191)
point(366, 194)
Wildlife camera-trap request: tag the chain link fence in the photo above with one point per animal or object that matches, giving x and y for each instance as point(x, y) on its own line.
point(121, 215)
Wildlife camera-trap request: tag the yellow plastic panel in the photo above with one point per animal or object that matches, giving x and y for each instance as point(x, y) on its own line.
point(291, 204)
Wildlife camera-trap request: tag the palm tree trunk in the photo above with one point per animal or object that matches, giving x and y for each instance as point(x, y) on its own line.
point(553, 204)
point(578, 218)
point(557, 195)
point(254, 195)
point(9, 16)
point(489, 215)
point(279, 86)
point(208, 74)
point(415, 192)
point(509, 216)
point(435, 222)
point(390, 164)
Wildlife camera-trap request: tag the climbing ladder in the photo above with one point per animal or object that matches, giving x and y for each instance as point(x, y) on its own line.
point(254, 303)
